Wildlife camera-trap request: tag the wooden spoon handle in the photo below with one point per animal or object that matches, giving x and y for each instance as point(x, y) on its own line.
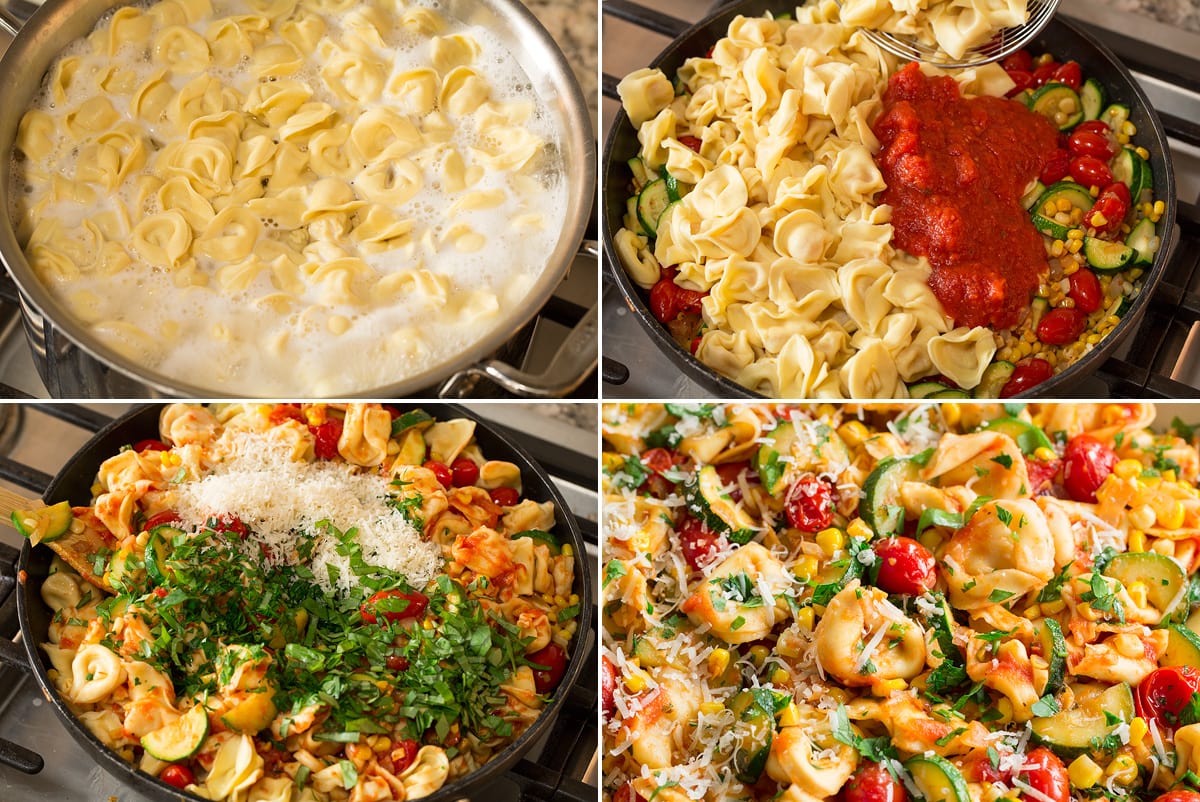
point(77, 548)
point(10, 502)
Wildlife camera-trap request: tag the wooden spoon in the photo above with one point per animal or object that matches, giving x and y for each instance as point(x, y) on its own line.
point(78, 549)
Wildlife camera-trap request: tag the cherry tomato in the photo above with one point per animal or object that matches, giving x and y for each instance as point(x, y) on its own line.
point(179, 776)
point(1089, 143)
point(691, 142)
point(504, 496)
point(285, 412)
point(699, 543)
point(1113, 204)
point(555, 661)
point(694, 345)
point(1023, 80)
point(150, 445)
point(1178, 796)
point(463, 472)
point(326, 437)
point(1070, 74)
point(1055, 169)
point(905, 566)
point(872, 783)
point(1029, 373)
point(668, 300)
point(164, 517)
point(626, 794)
point(232, 523)
point(658, 460)
point(608, 686)
point(1162, 695)
point(1095, 126)
point(808, 504)
point(1086, 464)
point(396, 662)
point(1061, 326)
point(1085, 290)
point(404, 754)
point(1021, 60)
point(1090, 171)
point(441, 472)
point(1045, 73)
point(1041, 474)
point(397, 605)
point(729, 473)
point(1044, 772)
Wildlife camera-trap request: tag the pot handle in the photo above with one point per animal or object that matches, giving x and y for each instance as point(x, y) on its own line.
point(13, 15)
point(11, 754)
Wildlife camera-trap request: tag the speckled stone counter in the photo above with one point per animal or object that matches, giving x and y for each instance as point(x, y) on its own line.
point(573, 26)
point(1183, 14)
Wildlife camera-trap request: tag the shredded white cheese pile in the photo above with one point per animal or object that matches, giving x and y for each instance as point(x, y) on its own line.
point(280, 500)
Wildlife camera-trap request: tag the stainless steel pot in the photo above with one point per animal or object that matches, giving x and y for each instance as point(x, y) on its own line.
point(87, 367)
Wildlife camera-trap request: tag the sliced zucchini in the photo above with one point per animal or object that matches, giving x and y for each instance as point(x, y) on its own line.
point(786, 452)
point(995, 376)
point(937, 779)
point(704, 500)
point(641, 176)
point(1107, 257)
point(538, 536)
point(1037, 310)
point(1092, 96)
point(412, 448)
point(951, 392)
point(1074, 731)
point(631, 220)
point(252, 714)
point(1051, 228)
point(413, 419)
point(1115, 115)
point(180, 739)
point(648, 656)
point(652, 202)
point(662, 218)
point(925, 389)
point(1029, 438)
point(1073, 193)
point(768, 460)
point(1166, 584)
point(1024, 97)
point(1183, 647)
point(754, 729)
point(1193, 622)
point(1054, 651)
point(1133, 170)
point(671, 184)
point(1035, 191)
point(1059, 104)
point(44, 524)
point(1144, 241)
point(1124, 306)
point(880, 505)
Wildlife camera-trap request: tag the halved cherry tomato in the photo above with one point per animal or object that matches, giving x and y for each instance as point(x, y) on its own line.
point(1089, 143)
point(1090, 171)
point(404, 754)
point(699, 543)
point(326, 438)
point(179, 776)
point(1178, 796)
point(691, 142)
point(1028, 373)
point(231, 523)
point(441, 472)
point(1055, 168)
point(1070, 74)
point(608, 686)
point(504, 496)
point(394, 605)
point(668, 300)
point(1086, 464)
point(164, 517)
point(1045, 73)
point(1085, 290)
point(1095, 126)
point(285, 412)
point(150, 445)
point(905, 566)
point(626, 794)
point(1021, 60)
point(1113, 204)
point(694, 345)
point(873, 783)
point(1162, 695)
point(555, 661)
point(1022, 80)
point(658, 460)
point(1041, 474)
point(463, 472)
point(1061, 326)
point(1046, 774)
point(808, 504)
point(396, 662)
point(729, 473)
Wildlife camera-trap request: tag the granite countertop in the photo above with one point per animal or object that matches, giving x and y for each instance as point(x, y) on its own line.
point(573, 26)
point(1183, 14)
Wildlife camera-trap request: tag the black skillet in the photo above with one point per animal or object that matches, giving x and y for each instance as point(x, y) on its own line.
point(74, 482)
point(1059, 37)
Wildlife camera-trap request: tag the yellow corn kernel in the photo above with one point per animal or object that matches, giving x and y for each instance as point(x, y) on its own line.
point(711, 708)
point(1137, 540)
point(1094, 191)
point(1128, 128)
point(1169, 476)
point(1137, 592)
point(1075, 233)
point(635, 682)
point(718, 661)
point(1164, 547)
point(1075, 245)
point(1084, 772)
point(838, 695)
point(1142, 516)
point(1063, 205)
point(780, 677)
point(1070, 269)
point(790, 717)
point(1123, 138)
point(1145, 154)
point(759, 654)
point(568, 550)
point(831, 540)
point(805, 619)
point(805, 567)
point(1005, 709)
point(1032, 611)
point(1138, 729)
point(1123, 770)
point(1057, 248)
point(858, 528)
point(853, 433)
point(1128, 468)
point(890, 685)
point(951, 413)
point(1171, 516)
point(1053, 608)
point(1045, 454)
point(1159, 207)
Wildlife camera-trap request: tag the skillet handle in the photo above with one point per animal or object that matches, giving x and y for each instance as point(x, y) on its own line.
point(11, 754)
point(14, 656)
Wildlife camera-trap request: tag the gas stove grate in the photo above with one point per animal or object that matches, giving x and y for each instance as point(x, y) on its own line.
point(1161, 359)
point(570, 745)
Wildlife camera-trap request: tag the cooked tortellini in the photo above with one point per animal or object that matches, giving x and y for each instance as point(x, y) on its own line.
point(298, 160)
point(950, 26)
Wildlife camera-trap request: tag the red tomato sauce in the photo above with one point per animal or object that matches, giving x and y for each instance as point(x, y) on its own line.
point(956, 169)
